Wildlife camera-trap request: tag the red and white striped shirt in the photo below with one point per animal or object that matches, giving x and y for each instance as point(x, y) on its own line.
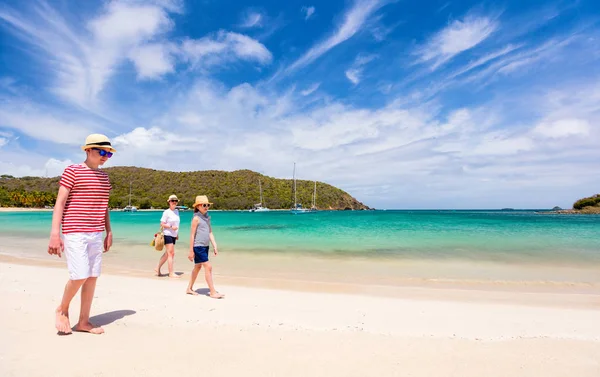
point(85, 209)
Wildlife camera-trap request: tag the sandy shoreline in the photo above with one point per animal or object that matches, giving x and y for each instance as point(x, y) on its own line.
point(153, 328)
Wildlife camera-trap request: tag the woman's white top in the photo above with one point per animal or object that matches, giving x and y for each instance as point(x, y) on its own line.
point(171, 218)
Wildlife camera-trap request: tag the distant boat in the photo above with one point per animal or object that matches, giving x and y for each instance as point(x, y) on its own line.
point(258, 207)
point(181, 208)
point(297, 209)
point(129, 207)
point(313, 208)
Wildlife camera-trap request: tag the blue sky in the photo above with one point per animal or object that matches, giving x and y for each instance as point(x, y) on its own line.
point(404, 104)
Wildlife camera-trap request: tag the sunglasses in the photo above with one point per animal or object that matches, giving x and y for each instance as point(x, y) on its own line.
point(206, 205)
point(103, 153)
point(174, 201)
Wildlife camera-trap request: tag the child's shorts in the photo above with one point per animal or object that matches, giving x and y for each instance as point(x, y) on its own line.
point(84, 254)
point(200, 254)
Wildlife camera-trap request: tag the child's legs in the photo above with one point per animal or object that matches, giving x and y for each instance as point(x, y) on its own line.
point(195, 272)
point(79, 264)
point(208, 277)
point(95, 248)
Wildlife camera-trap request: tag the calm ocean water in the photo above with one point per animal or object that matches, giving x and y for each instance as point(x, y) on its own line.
point(515, 236)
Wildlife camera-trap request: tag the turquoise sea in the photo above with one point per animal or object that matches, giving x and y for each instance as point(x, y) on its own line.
point(498, 236)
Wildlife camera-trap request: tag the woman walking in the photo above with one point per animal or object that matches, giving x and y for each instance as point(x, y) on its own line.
point(201, 235)
point(170, 224)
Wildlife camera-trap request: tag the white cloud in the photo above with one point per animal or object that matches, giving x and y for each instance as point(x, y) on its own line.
point(354, 19)
point(50, 168)
point(353, 75)
point(155, 141)
point(153, 60)
point(42, 124)
point(563, 128)
point(310, 89)
point(457, 37)
point(83, 62)
point(3, 141)
point(54, 167)
point(308, 12)
point(252, 19)
point(222, 47)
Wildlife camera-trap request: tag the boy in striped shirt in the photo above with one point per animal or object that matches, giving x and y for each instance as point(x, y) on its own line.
point(82, 210)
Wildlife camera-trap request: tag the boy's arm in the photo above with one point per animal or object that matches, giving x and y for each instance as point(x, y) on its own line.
point(56, 245)
point(108, 238)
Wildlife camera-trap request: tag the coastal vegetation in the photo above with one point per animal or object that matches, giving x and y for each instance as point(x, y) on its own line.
point(588, 205)
point(150, 188)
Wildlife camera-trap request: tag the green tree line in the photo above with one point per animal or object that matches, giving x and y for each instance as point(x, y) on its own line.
point(592, 201)
point(151, 188)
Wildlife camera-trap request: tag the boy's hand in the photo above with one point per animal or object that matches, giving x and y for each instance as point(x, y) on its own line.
point(215, 250)
point(107, 241)
point(191, 255)
point(56, 245)
point(174, 227)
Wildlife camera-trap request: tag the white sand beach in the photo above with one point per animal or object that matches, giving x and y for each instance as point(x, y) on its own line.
point(154, 329)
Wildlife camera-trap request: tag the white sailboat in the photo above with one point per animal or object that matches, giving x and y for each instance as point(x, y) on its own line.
point(297, 209)
point(314, 199)
point(129, 207)
point(258, 207)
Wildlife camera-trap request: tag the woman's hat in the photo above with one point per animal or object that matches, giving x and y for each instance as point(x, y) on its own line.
point(201, 199)
point(97, 141)
point(172, 197)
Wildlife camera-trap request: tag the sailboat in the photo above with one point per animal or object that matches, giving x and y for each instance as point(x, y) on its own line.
point(297, 209)
point(313, 208)
point(129, 207)
point(258, 207)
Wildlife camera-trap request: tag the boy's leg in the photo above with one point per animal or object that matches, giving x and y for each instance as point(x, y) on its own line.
point(209, 281)
point(94, 249)
point(195, 271)
point(78, 265)
point(87, 296)
point(62, 312)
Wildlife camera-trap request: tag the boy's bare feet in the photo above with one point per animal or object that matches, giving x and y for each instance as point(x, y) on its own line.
point(62, 322)
point(174, 276)
point(157, 272)
point(191, 292)
point(88, 327)
point(217, 295)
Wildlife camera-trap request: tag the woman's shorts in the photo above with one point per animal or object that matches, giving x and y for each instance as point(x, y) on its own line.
point(200, 254)
point(170, 239)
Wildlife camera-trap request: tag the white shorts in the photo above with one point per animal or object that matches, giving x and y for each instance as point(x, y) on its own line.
point(84, 254)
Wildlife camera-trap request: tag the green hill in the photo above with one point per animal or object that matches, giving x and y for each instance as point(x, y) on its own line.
point(151, 188)
point(588, 205)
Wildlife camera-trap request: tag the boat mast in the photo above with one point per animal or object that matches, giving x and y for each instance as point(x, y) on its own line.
point(314, 203)
point(260, 189)
point(295, 201)
point(130, 193)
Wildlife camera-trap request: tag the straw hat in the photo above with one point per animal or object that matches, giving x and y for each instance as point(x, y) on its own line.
point(98, 141)
point(172, 197)
point(201, 199)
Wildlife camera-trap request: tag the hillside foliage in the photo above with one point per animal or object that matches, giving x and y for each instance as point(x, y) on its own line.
point(151, 188)
point(592, 201)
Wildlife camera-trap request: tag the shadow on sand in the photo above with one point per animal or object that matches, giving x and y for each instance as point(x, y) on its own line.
point(203, 291)
point(110, 317)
